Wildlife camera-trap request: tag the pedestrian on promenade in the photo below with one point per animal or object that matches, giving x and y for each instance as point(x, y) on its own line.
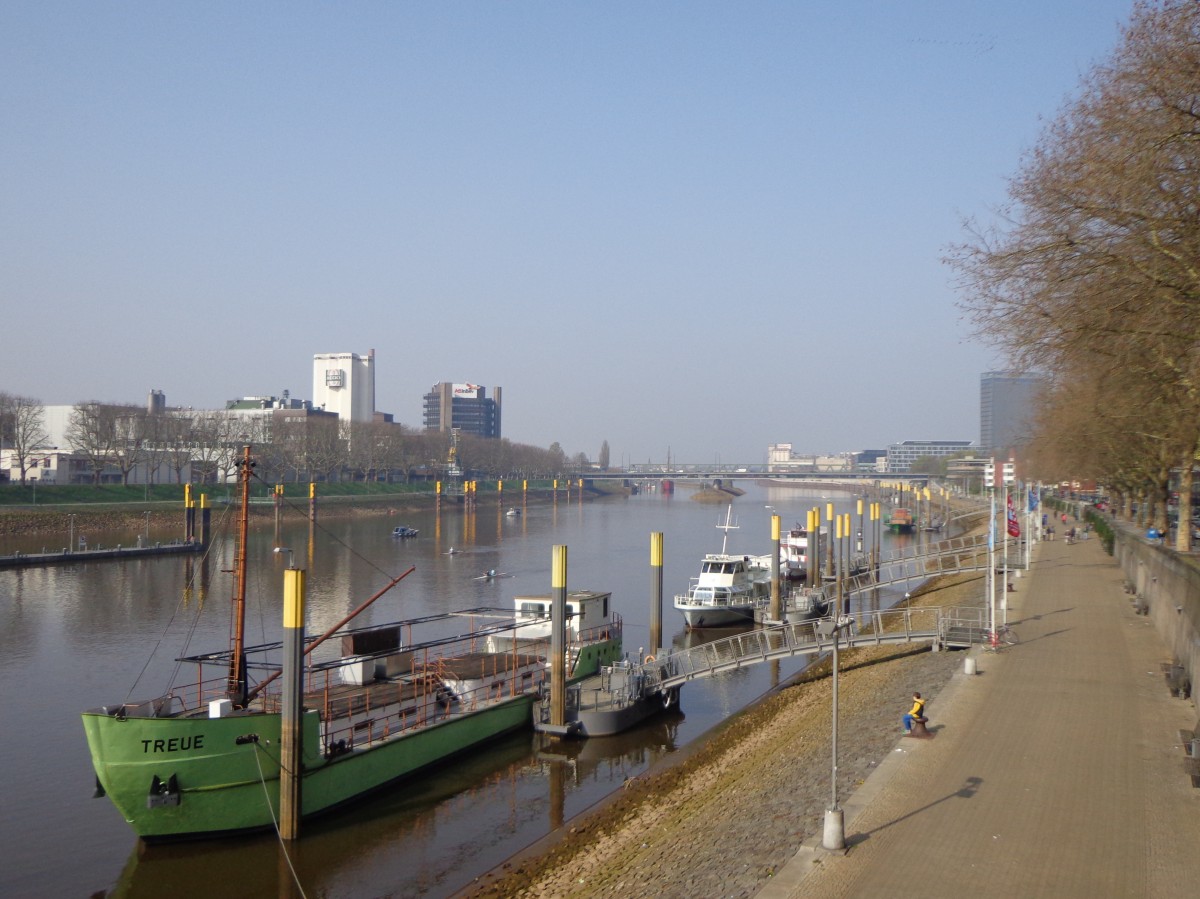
point(917, 711)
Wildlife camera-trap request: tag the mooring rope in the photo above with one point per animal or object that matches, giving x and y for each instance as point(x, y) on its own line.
point(275, 822)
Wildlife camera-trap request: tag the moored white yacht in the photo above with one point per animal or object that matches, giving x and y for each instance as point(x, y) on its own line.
point(727, 588)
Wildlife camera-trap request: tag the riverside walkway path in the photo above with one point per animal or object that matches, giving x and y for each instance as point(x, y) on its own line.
point(1056, 770)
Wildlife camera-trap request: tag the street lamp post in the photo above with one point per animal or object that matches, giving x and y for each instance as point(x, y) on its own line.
point(989, 481)
point(834, 837)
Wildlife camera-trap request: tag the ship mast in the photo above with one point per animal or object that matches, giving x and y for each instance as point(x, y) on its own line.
point(237, 663)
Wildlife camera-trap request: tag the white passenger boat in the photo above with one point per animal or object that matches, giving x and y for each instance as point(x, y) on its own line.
point(728, 586)
point(793, 553)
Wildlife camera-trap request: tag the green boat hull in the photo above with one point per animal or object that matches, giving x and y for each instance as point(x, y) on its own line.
point(221, 775)
point(188, 776)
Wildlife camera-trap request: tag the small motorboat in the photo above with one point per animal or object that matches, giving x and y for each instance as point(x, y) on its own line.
point(404, 531)
point(513, 512)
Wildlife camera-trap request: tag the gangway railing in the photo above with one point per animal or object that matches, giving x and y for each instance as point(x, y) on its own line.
point(869, 628)
point(954, 556)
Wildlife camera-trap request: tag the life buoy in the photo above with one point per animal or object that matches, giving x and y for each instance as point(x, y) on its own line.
point(649, 659)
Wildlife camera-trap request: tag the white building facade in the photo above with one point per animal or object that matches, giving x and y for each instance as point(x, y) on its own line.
point(344, 384)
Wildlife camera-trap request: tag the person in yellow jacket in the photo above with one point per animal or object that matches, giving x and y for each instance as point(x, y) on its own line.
point(917, 711)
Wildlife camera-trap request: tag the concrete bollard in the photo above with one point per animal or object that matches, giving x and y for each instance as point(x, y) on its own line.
point(969, 665)
point(834, 836)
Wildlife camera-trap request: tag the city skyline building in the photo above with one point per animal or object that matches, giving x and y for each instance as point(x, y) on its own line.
point(1006, 405)
point(465, 407)
point(900, 456)
point(344, 384)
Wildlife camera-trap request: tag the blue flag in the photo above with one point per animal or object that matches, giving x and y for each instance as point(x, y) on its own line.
point(1034, 499)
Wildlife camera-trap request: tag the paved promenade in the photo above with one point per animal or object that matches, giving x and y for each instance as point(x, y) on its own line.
point(1057, 770)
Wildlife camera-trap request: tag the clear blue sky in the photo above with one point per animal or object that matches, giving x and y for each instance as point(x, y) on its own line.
point(702, 227)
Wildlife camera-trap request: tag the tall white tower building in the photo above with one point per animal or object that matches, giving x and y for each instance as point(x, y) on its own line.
point(345, 383)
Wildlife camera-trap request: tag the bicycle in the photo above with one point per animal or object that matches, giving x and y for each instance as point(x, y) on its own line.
point(1002, 636)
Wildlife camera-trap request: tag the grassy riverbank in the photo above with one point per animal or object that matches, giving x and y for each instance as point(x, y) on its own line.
point(96, 510)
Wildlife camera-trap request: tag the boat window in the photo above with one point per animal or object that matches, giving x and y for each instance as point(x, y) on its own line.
point(533, 610)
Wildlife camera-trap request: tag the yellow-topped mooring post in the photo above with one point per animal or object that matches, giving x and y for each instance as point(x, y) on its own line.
point(558, 636)
point(829, 552)
point(291, 743)
point(656, 590)
point(205, 519)
point(312, 501)
point(776, 588)
point(189, 515)
point(277, 497)
point(813, 526)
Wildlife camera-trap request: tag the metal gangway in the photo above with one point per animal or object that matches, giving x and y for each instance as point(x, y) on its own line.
point(949, 627)
point(953, 556)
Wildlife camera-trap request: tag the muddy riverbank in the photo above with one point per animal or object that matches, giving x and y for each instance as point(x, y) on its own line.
point(721, 817)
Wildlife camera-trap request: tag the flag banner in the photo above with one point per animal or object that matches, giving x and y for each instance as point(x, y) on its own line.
point(1014, 526)
point(1034, 499)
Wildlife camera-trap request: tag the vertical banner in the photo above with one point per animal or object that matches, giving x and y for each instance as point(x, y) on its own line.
point(1014, 526)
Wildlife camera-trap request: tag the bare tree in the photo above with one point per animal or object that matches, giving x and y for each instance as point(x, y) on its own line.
point(22, 427)
point(1095, 266)
point(129, 438)
point(325, 450)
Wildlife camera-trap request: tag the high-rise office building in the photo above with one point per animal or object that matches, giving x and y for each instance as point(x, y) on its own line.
point(466, 407)
point(1006, 407)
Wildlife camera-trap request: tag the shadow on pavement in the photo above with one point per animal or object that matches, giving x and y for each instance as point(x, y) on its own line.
point(966, 791)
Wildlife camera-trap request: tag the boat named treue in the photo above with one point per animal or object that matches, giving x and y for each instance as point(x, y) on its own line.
point(387, 701)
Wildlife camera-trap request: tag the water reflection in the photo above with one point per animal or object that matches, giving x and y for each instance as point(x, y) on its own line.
point(101, 632)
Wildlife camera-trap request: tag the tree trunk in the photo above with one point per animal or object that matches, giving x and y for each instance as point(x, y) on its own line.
point(1183, 533)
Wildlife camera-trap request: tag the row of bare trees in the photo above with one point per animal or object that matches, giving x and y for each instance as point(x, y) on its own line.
point(1093, 274)
point(206, 446)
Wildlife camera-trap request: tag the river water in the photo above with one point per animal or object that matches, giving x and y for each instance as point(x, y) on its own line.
point(76, 637)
